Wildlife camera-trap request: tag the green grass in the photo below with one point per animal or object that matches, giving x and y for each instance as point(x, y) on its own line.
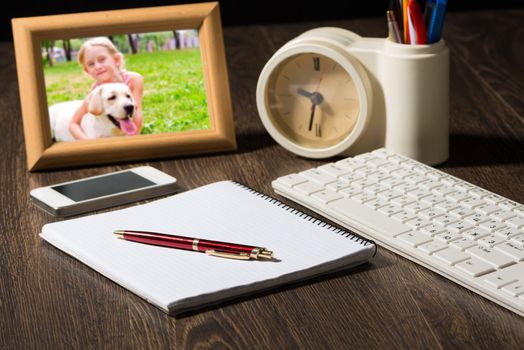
point(174, 93)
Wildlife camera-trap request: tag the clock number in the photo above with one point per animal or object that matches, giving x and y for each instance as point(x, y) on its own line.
point(316, 63)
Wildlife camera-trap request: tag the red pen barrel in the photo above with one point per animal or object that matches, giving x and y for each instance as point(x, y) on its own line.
point(188, 243)
point(160, 240)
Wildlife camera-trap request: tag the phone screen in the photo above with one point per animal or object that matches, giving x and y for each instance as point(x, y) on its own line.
point(103, 186)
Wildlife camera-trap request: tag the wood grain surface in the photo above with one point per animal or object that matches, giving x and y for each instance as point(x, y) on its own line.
point(50, 300)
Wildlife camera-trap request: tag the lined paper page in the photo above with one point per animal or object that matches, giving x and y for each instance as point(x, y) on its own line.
point(176, 279)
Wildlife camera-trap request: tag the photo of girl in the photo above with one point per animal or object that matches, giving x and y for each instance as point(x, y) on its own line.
point(102, 61)
point(162, 91)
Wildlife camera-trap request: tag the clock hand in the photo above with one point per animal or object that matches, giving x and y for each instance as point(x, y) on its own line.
point(313, 107)
point(304, 93)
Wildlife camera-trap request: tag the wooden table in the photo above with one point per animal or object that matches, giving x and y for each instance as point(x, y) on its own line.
point(50, 300)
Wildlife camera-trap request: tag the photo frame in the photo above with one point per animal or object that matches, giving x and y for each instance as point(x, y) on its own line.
point(44, 153)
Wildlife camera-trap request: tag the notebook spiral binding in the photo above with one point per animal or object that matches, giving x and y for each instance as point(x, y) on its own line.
point(349, 234)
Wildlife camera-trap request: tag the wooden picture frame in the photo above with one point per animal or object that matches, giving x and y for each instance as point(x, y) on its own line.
point(43, 153)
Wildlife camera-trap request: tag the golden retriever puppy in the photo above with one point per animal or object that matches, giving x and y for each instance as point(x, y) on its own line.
point(110, 113)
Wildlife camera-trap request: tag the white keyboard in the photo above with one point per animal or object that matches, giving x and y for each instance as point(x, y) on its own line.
point(463, 232)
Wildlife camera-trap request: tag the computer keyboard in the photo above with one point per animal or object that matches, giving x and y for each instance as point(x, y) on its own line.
point(463, 232)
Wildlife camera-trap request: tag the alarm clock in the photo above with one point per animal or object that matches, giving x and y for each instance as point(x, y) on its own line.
point(332, 92)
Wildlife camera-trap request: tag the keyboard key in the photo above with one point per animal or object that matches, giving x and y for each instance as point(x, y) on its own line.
point(350, 163)
point(376, 204)
point(403, 216)
point(337, 186)
point(379, 176)
point(308, 188)
point(430, 185)
point(515, 222)
point(476, 218)
point(458, 196)
point(367, 217)
point(508, 232)
point(503, 215)
point(472, 203)
point(499, 279)
point(350, 191)
point(511, 249)
point(444, 190)
point(463, 243)
point(418, 194)
point(492, 198)
point(492, 225)
point(475, 233)
point(417, 223)
point(318, 176)
point(447, 205)
point(514, 289)
point(377, 162)
point(362, 183)
point(416, 207)
point(326, 196)
point(509, 205)
point(487, 209)
point(349, 178)
point(506, 275)
point(462, 212)
point(432, 247)
point(459, 226)
point(405, 187)
point(432, 199)
point(490, 240)
point(414, 238)
point(390, 210)
point(447, 236)
point(518, 240)
point(490, 256)
point(375, 188)
point(451, 255)
point(388, 195)
point(431, 213)
point(291, 180)
point(450, 180)
point(474, 267)
point(334, 170)
point(445, 219)
point(401, 173)
point(433, 229)
point(392, 182)
point(363, 197)
point(402, 200)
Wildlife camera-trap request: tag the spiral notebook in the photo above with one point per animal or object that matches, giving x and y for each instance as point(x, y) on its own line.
point(176, 280)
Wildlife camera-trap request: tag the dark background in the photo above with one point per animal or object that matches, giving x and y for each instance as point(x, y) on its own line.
point(236, 12)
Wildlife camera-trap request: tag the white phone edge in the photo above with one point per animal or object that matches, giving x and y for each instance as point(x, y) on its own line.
point(59, 205)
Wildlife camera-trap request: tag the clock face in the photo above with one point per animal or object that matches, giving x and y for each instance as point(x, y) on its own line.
point(312, 100)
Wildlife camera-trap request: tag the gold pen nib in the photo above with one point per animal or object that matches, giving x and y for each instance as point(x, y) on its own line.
point(119, 233)
point(265, 254)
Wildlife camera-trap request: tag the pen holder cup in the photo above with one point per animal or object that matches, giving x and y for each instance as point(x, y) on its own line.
point(415, 83)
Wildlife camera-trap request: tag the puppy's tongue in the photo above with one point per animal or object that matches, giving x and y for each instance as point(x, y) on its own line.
point(128, 126)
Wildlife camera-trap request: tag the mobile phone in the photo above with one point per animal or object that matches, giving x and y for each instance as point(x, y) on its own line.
point(103, 191)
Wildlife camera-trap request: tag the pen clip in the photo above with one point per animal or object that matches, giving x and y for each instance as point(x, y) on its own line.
point(237, 256)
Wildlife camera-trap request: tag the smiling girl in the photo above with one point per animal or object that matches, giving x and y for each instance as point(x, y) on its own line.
point(102, 61)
